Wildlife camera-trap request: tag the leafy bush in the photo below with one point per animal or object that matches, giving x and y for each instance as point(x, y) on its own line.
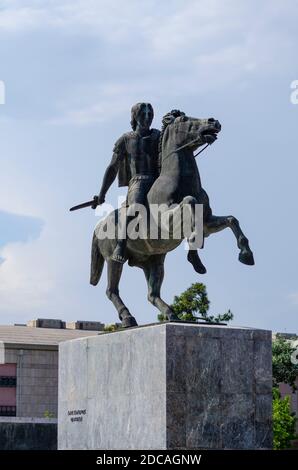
point(283, 368)
point(195, 301)
point(284, 422)
point(112, 327)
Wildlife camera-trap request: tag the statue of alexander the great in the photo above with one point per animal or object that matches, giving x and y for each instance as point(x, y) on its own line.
point(159, 168)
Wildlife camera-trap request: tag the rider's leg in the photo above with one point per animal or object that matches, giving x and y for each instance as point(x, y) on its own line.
point(137, 192)
point(119, 253)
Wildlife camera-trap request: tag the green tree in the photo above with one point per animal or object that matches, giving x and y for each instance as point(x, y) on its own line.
point(283, 369)
point(284, 422)
point(195, 301)
point(112, 327)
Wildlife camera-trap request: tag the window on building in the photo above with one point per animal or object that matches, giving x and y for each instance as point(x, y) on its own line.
point(8, 384)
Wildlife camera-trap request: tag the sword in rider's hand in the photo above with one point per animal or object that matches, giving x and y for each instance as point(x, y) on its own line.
point(93, 204)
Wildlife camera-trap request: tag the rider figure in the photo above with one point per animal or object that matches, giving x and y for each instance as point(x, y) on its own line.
point(135, 159)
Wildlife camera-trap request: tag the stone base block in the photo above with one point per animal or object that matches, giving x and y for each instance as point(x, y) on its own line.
point(166, 386)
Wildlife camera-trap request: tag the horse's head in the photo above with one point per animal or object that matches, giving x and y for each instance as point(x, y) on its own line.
point(188, 132)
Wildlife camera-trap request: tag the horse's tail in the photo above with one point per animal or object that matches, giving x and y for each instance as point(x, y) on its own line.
point(97, 262)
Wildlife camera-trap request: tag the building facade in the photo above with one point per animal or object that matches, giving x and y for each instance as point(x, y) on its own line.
point(29, 365)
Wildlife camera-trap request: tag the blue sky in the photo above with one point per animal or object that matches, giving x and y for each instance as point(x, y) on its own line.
point(72, 70)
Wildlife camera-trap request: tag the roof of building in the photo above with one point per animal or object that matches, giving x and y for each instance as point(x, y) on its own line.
point(17, 335)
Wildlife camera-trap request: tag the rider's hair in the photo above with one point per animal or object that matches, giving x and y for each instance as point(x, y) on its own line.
point(134, 112)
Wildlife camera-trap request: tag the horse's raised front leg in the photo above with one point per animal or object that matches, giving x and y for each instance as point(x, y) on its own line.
point(154, 272)
point(189, 203)
point(217, 223)
point(114, 275)
point(195, 260)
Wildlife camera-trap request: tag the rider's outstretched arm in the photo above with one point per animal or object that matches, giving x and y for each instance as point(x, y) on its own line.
point(109, 177)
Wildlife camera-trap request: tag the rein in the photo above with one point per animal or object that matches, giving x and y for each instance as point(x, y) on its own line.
point(202, 150)
point(185, 146)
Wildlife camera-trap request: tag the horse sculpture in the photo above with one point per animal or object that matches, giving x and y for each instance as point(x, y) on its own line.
point(178, 184)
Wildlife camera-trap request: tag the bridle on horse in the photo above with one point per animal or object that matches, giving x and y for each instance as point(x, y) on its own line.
point(185, 146)
point(202, 150)
point(205, 128)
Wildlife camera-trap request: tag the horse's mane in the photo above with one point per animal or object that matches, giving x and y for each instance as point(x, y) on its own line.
point(166, 120)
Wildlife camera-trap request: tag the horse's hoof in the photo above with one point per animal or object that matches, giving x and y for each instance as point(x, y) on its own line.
point(197, 264)
point(129, 322)
point(246, 257)
point(200, 269)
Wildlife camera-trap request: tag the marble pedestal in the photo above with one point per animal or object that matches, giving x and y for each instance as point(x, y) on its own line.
point(166, 386)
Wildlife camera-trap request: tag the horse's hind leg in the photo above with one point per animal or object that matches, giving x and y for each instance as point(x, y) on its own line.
point(217, 223)
point(154, 272)
point(114, 275)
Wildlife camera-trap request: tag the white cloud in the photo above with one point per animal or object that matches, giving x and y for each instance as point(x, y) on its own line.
point(109, 18)
point(25, 281)
point(35, 276)
point(18, 19)
point(190, 48)
point(109, 100)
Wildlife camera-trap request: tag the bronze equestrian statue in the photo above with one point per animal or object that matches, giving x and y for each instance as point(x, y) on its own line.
point(160, 169)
